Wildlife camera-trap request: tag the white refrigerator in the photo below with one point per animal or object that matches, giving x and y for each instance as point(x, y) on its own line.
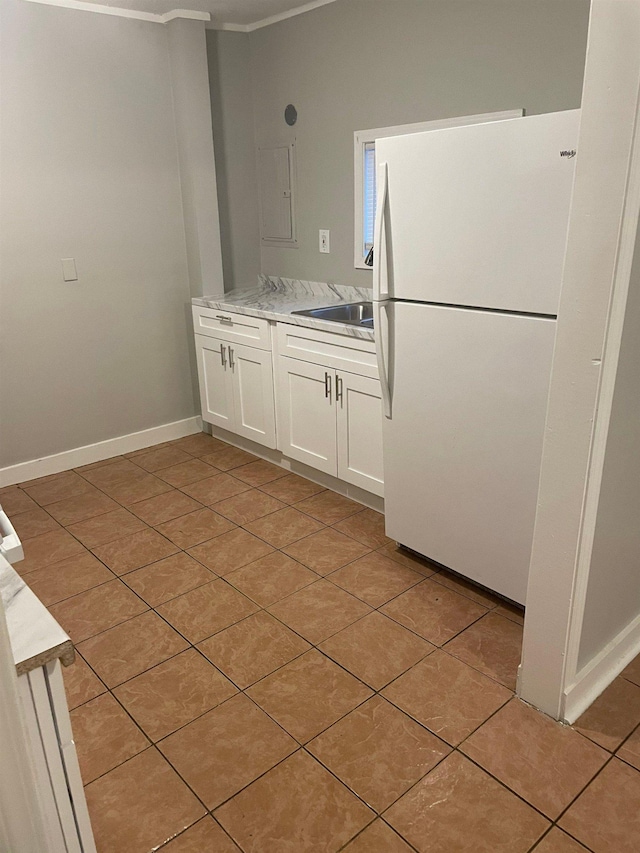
point(471, 227)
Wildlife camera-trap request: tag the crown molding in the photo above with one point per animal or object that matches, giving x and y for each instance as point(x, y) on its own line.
point(117, 11)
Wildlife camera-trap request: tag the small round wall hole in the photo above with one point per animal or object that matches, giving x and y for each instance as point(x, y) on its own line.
point(290, 115)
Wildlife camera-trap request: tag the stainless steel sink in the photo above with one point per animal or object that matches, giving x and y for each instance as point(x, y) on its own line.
point(354, 314)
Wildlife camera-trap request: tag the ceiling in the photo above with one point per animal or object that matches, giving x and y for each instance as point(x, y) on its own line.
point(234, 13)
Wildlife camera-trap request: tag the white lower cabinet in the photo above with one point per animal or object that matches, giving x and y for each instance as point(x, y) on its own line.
point(331, 420)
point(236, 388)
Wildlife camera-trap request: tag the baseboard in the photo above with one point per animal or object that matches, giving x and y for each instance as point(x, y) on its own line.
point(600, 672)
point(97, 452)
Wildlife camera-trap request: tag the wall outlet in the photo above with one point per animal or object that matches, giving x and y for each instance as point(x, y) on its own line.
point(324, 241)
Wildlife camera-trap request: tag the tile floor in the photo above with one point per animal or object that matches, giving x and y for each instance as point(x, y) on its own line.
point(260, 669)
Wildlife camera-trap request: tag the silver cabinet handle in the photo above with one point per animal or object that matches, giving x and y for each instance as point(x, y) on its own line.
point(223, 358)
point(327, 386)
point(232, 363)
point(223, 318)
point(339, 388)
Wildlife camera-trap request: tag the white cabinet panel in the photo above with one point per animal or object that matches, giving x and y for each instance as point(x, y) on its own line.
point(253, 396)
point(306, 415)
point(359, 419)
point(216, 382)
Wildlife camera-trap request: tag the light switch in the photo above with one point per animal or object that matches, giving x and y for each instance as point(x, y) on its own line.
point(69, 272)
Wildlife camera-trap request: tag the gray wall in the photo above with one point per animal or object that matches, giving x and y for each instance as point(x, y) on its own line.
point(357, 64)
point(89, 170)
point(613, 592)
point(232, 111)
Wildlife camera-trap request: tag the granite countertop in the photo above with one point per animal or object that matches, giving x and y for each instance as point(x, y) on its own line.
point(276, 298)
point(35, 636)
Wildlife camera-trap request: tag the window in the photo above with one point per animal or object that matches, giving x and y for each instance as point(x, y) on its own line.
point(365, 170)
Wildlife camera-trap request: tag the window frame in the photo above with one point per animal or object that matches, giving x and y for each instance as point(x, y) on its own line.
point(361, 138)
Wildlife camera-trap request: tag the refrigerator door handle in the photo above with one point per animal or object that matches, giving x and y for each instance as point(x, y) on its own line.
point(381, 325)
point(380, 271)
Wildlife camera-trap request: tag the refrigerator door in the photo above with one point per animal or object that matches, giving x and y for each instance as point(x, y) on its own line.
point(478, 215)
point(462, 449)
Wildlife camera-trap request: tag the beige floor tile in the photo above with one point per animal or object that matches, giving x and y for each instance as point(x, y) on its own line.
point(214, 489)
point(298, 806)
point(163, 457)
point(174, 693)
point(511, 611)
point(283, 527)
point(185, 473)
point(195, 528)
point(106, 528)
point(329, 507)
point(433, 611)
point(271, 578)
point(558, 841)
point(97, 610)
point(378, 837)
point(132, 647)
point(378, 752)
point(544, 762)
point(81, 469)
point(81, 683)
point(248, 506)
point(632, 671)
point(376, 649)
point(105, 736)
point(33, 522)
point(447, 696)
point(326, 550)
point(229, 458)
point(230, 551)
point(308, 695)
point(199, 444)
point(168, 578)
point(57, 488)
point(206, 610)
point(69, 577)
point(468, 589)
point(140, 805)
point(81, 507)
point(15, 500)
point(150, 447)
point(135, 487)
point(375, 578)
point(319, 610)
point(630, 750)
point(115, 471)
point(493, 645)
point(253, 648)
point(48, 548)
point(291, 488)
point(613, 716)
point(366, 527)
point(407, 558)
point(458, 807)
point(134, 551)
point(241, 741)
point(205, 837)
point(170, 505)
point(606, 817)
point(258, 473)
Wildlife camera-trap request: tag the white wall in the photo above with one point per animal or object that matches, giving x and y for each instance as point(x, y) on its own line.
point(357, 64)
point(90, 171)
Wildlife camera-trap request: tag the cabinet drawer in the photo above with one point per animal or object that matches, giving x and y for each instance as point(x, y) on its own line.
point(227, 326)
point(327, 348)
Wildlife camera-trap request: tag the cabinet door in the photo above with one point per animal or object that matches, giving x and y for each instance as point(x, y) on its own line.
point(216, 382)
point(253, 396)
point(359, 408)
point(306, 414)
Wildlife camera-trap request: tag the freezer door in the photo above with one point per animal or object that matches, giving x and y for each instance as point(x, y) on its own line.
point(462, 449)
point(478, 215)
